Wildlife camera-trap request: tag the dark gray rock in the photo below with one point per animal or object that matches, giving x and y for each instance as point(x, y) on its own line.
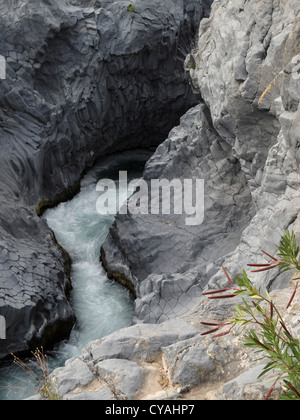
point(246, 150)
point(88, 82)
point(34, 283)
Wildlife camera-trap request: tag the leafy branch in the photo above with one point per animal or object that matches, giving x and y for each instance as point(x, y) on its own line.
point(271, 336)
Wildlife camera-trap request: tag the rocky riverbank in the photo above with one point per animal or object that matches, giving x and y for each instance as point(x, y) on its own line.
point(243, 141)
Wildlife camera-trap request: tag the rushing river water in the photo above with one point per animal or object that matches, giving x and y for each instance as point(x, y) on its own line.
point(101, 306)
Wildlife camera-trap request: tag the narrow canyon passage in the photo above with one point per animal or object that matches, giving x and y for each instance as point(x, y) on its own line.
point(101, 306)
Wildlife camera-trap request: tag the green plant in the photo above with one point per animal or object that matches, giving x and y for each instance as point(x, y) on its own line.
point(261, 322)
point(38, 370)
point(131, 8)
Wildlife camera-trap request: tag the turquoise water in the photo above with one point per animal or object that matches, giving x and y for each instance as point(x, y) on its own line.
point(101, 306)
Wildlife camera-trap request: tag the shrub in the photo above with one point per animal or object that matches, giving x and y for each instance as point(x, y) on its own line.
point(261, 324)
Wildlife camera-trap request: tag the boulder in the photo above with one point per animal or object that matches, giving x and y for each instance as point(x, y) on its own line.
point(242, 141)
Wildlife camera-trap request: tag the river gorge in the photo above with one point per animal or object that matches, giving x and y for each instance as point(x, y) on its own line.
point(211, 88)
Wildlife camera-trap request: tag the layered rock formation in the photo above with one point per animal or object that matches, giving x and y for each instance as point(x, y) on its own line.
point(83, 78)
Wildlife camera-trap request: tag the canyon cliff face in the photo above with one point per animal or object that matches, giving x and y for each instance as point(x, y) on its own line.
point(83, 79)
point(245, 145)
point(243, 140)
point(167, 261)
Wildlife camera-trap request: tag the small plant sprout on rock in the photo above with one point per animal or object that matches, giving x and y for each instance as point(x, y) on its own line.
point(131, 8)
